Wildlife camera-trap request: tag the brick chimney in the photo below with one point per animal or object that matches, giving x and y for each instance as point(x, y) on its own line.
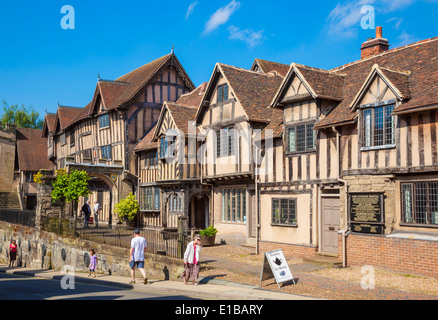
point(374, 46)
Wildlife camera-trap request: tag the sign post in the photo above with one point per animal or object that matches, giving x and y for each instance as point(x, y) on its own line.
point(275, 266)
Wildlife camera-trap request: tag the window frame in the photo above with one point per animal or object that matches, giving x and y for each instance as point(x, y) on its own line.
point(175, 204)
point(234, 207)
point(106, 122)
point(148, 198)
point(279, 220)
point(431, 218)
point(222, 93)
point(369, 131)
point(104, 153)
point(308, 127)
point(167, 143)
point(229, 144)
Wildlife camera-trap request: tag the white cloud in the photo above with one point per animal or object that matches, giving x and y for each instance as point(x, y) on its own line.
point(190, 9)
point(405, 38)
point(344, 20)
point(250, 37)
point(221, 16)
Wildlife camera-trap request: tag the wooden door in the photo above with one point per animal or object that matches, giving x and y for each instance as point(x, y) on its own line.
point(330, 224)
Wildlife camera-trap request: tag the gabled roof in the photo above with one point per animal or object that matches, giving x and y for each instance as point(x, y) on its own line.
point(109, 92)
point(182, 111)
point(117, 93)
point(253, 90)
point(138, 78)
point(270, 66)
point(420, 59)
point(397, 82)
point(32, 150)
point(319, 83)
point(65, 116)
point(49, 124)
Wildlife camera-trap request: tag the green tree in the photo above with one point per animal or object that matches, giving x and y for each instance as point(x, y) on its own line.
point(127, 208)
point(70, 187)
point(21, 116)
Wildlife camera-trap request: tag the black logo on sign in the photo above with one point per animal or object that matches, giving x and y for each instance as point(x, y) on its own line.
point(278, 261)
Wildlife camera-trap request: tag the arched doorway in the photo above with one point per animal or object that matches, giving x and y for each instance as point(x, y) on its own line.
point(101, 188)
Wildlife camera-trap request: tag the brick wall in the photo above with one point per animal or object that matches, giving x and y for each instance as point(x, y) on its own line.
point(407, 256)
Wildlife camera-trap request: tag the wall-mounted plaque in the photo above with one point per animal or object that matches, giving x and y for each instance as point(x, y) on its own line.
point(366, 212)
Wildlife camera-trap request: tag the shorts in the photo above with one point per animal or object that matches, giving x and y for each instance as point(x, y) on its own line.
point(138, 264)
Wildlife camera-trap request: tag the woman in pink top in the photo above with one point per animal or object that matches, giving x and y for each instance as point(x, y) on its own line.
point(191, 261)
point(12, 253)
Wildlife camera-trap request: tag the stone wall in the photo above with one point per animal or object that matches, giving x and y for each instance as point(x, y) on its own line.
point(50, 251)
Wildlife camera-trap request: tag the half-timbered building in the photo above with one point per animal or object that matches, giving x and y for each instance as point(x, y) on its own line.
point(234, 106)
point(101, 136)
point(169, 170)
point(357, 174)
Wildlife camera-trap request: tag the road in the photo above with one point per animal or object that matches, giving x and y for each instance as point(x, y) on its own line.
point(16, 287)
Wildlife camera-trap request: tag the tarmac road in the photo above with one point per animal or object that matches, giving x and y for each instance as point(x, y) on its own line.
point(18, 287)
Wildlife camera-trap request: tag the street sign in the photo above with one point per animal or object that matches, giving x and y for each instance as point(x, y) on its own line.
point(275, 266)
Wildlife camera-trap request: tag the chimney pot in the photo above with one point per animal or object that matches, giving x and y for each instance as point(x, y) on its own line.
point(379, 33)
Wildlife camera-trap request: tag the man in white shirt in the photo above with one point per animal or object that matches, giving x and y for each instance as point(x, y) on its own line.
point(96, 212)
point(136, 256)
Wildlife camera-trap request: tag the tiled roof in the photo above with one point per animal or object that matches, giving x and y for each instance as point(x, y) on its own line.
point(49, 123)
point(147, 143)
point(32, 150)
point(194, 98)
point(419, 59)
point(182, 115)
point(138, 78)
point(253, 90)
point(269, 66)
point(324, 84)
point(65, 116)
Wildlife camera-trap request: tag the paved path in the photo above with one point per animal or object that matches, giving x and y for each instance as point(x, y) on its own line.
point(229, 291)
point(300, 272)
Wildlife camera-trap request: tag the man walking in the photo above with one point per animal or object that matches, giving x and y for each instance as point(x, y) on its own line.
point(96, 212)
point(86, 210)
point(136, 256)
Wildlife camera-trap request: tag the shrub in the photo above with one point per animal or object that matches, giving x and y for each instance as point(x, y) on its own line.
point(210, 231)
point(127, 208)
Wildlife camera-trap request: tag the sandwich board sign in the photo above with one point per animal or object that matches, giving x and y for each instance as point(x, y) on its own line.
point(275, 266)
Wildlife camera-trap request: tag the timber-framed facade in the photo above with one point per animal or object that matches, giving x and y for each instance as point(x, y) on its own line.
point(347, 159)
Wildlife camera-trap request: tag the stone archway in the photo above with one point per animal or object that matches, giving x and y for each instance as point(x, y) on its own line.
point(104, 190)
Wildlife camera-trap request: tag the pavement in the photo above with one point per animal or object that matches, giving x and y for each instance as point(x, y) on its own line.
point(208, 289)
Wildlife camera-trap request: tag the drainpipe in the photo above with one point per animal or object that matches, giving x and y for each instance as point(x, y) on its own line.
point(344, 182)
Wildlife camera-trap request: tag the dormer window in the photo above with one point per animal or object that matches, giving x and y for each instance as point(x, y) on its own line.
point(222, 93)
point(378, 126)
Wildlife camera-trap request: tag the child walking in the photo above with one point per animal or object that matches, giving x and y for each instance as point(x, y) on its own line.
point(93, 263)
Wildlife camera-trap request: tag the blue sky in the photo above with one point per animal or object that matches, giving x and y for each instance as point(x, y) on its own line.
point(42, 64)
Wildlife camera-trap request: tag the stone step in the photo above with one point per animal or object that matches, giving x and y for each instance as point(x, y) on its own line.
point(9, 200)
